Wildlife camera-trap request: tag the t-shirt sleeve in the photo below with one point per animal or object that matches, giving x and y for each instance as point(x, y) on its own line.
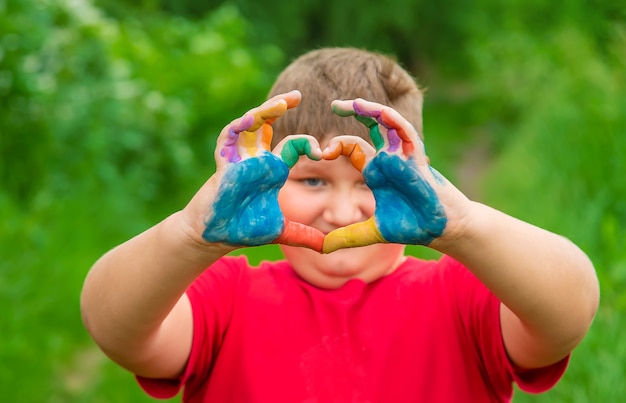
point(479, 312)
point(211, 296)
point(540, 380)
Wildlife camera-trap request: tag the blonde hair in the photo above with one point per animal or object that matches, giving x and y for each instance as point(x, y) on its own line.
point(326, 74)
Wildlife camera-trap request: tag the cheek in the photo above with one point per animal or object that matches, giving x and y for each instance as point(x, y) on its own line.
point(368, 203)
point(298, 205)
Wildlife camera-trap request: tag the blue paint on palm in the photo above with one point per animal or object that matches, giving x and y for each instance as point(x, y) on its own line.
point(246, 211)
point(407, 208)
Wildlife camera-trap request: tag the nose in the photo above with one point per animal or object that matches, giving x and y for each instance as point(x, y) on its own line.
point(347, 206)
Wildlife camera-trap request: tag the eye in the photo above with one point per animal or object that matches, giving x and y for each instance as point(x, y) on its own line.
point(313, 182)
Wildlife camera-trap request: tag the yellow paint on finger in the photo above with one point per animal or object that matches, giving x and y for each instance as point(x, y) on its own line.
point(247, 140)
point(354, 235)
point(267, 115)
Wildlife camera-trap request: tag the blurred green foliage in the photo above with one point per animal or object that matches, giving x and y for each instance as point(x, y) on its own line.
point(109, 111)
point(105, 124)
point(113, 100)
point(563, 169)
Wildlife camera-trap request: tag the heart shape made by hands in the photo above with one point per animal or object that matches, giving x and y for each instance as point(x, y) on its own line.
point(246, 210)
point(359, 152)
point(408, 209)
point(396, 169)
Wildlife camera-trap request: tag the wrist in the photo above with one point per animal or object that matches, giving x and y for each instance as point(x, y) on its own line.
point(190, 244)
point(463, 228)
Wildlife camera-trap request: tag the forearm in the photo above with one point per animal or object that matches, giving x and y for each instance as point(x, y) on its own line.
point(544, 279)
point(131, 290)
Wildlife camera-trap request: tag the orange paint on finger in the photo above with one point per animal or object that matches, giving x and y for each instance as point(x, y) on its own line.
point(408, 148)
point(332, 153)
point(266, 136)
point(407, 142)
point(352, 151)
point(292, 100)
point(357, 157)
point(297, 234)
point(403, 134)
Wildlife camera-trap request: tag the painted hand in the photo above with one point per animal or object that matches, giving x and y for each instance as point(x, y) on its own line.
point(408, 206)
point(245, 211)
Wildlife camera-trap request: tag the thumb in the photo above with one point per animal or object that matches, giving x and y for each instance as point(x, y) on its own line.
point(358, 234)
point(298, 234)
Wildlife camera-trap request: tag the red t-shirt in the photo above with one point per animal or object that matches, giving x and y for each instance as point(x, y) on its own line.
point(428, 332)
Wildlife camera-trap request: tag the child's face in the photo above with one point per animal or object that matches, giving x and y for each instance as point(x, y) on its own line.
point(327, 195)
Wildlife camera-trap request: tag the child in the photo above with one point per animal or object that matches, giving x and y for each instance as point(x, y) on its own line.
point(347, 317)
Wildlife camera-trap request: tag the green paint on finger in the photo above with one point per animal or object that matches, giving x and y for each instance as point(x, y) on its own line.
point(294, 149)
point(377, 138)
point(342, 112)
point(372, 124)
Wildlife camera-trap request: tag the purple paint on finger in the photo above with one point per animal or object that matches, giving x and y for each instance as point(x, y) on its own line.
point(394, 140)
point(373, 114)
point(229, 151)
point(392, 135)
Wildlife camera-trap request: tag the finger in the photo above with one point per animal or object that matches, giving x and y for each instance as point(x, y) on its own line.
point(244, 137)
point(411, 141)
point(259, 135)
point(226, 147)
point(358, 234)
point(345, 108)
point(297, 234)
point(289, 100)
point(265, 115)
point(292, 98)
point(355, 148)
point(392, 119)
point(395, 129)
point(292, 147)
